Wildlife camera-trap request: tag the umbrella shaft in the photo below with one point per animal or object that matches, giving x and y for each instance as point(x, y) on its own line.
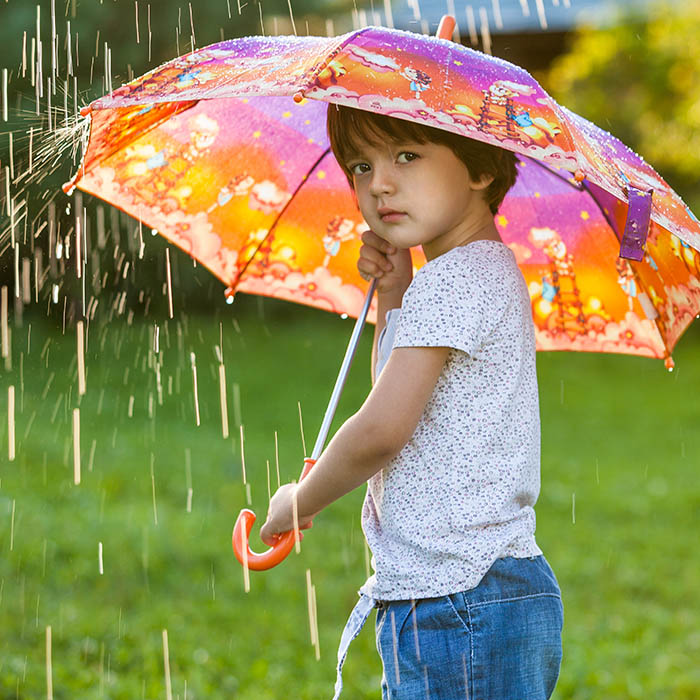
point(343, 374)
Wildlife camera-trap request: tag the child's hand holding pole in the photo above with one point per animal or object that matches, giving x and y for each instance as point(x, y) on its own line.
point(391, 266)
point(393, 269)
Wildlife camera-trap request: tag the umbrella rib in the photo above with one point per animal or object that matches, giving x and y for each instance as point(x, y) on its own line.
point(240, 273)
point(318, 69)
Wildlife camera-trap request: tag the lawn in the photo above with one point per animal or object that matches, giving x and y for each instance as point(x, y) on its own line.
point(617, 515)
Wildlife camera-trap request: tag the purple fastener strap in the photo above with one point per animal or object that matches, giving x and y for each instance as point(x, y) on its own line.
point(637, 226)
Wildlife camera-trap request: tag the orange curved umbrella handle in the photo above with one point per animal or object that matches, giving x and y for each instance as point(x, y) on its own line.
point(274, 555)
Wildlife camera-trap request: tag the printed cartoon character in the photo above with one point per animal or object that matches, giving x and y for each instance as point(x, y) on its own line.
point(419, 80)
point(139, 170)
point(559, 284)
point(686, 254)
point(549, 289)
point(156, 173)
point(338, 231)
point(498, 116)
point(235, 187)
point(192, 78)
point(203, 133)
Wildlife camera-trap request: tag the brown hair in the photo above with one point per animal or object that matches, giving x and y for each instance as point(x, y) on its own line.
point(349, 127)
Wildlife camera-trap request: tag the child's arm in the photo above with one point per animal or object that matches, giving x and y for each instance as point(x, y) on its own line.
point(393, 270)
point(366, 442)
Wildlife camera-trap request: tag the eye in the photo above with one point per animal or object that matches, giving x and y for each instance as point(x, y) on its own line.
point(359, 168)
point(407, 157)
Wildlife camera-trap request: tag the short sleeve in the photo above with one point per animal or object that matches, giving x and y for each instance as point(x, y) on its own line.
point(453, 302)
point(385, 341)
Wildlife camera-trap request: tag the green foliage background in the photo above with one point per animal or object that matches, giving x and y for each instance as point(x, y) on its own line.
point(640, 79)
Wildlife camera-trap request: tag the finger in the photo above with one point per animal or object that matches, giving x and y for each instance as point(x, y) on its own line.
point(269, 540)
point(375, 258)
point(266, 534)
point(372, 239)
point(370, 270)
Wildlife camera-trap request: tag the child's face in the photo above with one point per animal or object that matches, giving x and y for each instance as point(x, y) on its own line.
point(417, 194)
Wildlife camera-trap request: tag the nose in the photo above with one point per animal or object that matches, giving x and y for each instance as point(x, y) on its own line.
point(383, 179)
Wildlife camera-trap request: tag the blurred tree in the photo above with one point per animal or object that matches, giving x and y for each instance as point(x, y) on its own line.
point(640, 79)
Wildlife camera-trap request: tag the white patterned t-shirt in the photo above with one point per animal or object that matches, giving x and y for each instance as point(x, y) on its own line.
point(461, 492)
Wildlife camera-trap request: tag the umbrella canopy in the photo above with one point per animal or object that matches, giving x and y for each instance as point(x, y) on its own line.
point(224, 152)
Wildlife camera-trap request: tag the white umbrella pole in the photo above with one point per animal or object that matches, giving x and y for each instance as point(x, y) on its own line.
point(343, 374)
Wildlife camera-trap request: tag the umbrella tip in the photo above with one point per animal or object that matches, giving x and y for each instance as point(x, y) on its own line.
point(446, 27)
point(669, 363)
point(68, 187)
point(85, 111)
point(298, 97)
point(579, 176)
point(229, 293)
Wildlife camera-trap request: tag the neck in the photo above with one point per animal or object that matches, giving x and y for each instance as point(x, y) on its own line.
point(482, 229)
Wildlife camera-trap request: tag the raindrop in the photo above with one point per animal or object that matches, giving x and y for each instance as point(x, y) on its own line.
point(301, 428)
point(166, 664)
point(49, 673)
point(76, 446)
point(313, 614)
point(153, 491)
point(12, 526)
point(485, 31)
point(541, 14)
point(498, 19)
point(245, 481)
point(11, 423)
point(471, 26)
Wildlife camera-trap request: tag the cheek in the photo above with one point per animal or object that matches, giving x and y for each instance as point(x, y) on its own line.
point(364, 201)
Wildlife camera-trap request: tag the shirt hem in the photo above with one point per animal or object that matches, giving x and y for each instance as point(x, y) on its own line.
point(388, 593)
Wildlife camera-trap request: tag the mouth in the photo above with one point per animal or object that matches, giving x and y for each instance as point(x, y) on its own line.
point(390, 215)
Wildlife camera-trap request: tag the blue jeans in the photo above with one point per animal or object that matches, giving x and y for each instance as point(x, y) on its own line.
point(498, 641)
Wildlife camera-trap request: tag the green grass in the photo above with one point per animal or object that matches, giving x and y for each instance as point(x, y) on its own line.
point(617, 516)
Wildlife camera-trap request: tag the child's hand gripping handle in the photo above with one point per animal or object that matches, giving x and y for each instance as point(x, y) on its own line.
point(274, 555)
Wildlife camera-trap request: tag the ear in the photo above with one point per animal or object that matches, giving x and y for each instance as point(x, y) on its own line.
point(483, 182)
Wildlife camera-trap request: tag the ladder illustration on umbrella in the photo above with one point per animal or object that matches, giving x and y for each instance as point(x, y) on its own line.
point(559, 287)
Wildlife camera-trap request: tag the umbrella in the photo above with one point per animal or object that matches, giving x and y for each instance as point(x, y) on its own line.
point(224, 152)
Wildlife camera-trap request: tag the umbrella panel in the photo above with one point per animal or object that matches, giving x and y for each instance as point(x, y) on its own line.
point(248, 187)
